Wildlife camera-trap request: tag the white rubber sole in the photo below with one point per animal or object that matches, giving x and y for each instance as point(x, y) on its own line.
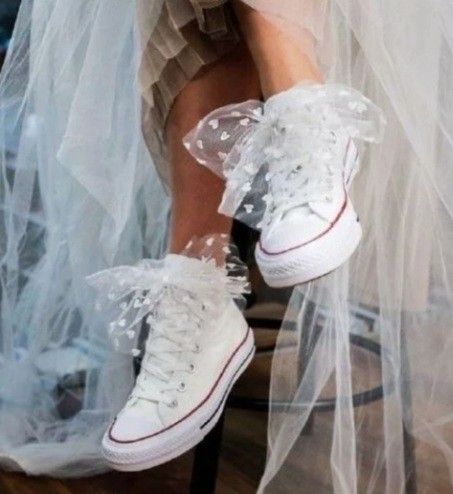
point(315, 259)
point(210, 415)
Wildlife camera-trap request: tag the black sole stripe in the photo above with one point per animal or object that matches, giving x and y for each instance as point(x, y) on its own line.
point(227, 391)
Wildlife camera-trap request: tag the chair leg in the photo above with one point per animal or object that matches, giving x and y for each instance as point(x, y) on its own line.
point(306, 348)
point(308, 427)
point(410, 465)
point(206, 461)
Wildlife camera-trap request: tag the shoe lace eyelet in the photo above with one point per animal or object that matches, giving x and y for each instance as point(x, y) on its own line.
point(197, 348)
point(191, 368)
point(182, 386)
point(173, 403)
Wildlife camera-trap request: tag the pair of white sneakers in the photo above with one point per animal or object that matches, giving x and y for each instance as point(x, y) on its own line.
point(197, 347)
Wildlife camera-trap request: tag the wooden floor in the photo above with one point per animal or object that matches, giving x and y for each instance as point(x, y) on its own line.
point(242, 459)
point(241, 463)
point(235, 475)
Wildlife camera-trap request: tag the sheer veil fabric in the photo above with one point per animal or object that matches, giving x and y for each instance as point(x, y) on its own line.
point(396, 289)
point(79, 193)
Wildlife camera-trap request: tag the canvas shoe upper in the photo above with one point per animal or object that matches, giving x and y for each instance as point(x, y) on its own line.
point(305, 199)
point(197, 346)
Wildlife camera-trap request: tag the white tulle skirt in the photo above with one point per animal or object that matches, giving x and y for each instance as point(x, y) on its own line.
point(79, 192)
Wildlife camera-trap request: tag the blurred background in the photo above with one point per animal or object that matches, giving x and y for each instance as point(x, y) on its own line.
point(8, 12)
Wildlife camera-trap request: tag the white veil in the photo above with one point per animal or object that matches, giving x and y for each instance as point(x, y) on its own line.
point(78, 192)
point(397, 289)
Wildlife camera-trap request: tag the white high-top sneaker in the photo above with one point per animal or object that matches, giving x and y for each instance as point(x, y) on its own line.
point(288, 165)
point(198, 345)
point(311, 227)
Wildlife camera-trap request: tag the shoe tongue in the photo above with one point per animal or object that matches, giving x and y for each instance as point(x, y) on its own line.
point(145, 406)
point(162, 344)
point(164, 350)
point(169, 324)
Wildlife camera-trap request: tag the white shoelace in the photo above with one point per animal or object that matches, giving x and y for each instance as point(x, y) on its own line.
point(296, 182)
point(175, 325)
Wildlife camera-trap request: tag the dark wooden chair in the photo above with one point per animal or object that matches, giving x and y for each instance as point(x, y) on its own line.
point(207, 453)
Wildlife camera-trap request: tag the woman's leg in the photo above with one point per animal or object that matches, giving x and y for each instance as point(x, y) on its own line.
point(308, 211)
point(196, 191)
point(281, 61)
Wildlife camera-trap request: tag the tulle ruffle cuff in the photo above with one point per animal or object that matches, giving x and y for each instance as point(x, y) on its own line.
point(246, 142)
point(208, 269)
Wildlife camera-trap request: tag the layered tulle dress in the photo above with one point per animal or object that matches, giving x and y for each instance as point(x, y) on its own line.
point(84, 96)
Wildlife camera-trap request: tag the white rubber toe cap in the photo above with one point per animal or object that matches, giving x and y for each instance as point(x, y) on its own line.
point(313, 259)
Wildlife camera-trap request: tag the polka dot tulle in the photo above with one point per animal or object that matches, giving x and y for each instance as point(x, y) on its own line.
point(209, 269)
point(292, 133)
